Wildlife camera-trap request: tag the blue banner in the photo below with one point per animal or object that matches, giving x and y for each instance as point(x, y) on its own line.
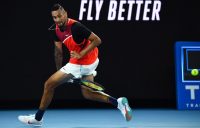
point(187, 60)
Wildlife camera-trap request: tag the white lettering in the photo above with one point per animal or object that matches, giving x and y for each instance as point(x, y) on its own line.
point(82, 9)
point(130, 8)
point(121, 10)
point(192, 89)
point(192, 105)
point(112, 10)
point(98, 8)
point(156, 10)
point(146, 10)
point(139, 3)
point(89, 17)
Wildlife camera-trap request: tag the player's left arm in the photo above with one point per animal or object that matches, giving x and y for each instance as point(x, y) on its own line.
point(95, 41)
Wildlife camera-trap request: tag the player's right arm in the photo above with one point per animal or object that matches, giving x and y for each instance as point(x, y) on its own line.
point(58, 54)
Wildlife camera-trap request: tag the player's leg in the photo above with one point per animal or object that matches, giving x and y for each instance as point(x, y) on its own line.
point(89, 73)
point(96, 95)
point(121, 103)
point(55, 80)
point(49, 87)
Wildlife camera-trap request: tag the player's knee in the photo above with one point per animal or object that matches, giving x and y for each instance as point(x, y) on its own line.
point(86, 93)
point(49, 86)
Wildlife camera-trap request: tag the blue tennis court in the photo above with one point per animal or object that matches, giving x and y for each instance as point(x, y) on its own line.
point(105, 118)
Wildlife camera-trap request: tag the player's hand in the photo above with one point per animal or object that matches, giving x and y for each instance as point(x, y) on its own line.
point(74, 54)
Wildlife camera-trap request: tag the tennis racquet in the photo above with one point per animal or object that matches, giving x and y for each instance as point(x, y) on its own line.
point(93, 85)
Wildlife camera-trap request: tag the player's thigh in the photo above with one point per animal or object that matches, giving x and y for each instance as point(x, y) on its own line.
point(58, 78)
point(87, 77)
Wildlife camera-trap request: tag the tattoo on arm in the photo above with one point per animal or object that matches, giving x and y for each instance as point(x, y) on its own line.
point(58, 57)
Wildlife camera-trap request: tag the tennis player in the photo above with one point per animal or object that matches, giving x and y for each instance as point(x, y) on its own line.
point(82, 45)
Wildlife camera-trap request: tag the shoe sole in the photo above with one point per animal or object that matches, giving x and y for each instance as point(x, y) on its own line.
point(32, 124)
point(128, 110)
point(29, 123)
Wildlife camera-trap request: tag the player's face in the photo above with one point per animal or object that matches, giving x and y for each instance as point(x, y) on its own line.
point(59, 17)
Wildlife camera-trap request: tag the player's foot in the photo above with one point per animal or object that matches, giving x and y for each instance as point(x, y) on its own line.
point(29, 120)
point(124, 107)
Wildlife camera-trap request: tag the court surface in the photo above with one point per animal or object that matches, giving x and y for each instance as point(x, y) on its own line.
point(106, 118)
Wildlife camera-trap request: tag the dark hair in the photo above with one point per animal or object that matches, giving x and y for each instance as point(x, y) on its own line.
point(56, 7)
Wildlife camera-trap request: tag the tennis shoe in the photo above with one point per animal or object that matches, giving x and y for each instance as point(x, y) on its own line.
point(30, 120)
point(124, 107)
